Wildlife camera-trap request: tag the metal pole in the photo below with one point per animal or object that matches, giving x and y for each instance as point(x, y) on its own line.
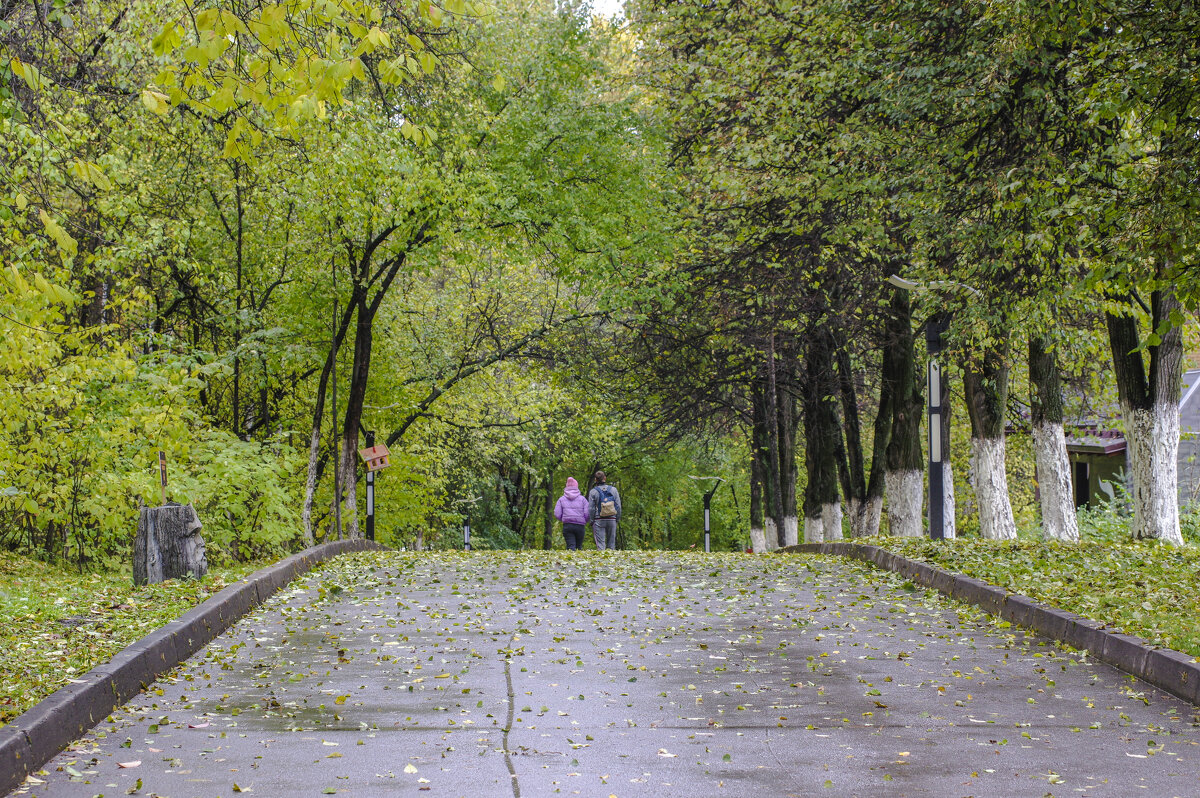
point(707, 511)
point(467, 532)
point(337, 460)
point(370, 492)
point(938, 429)
point(707, 533)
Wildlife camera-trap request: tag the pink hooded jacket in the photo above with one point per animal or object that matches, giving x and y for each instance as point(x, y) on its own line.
point(572, 506)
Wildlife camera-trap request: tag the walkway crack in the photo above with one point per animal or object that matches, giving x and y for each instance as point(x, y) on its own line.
point(508, 721)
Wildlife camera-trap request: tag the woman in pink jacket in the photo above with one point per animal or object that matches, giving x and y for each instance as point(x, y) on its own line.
point(572, 510)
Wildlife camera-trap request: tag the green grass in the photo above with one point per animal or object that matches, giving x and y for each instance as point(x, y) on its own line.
point(1146, 589)
point(56, 624)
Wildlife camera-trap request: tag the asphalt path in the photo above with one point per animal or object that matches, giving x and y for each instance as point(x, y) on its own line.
point(630, 674)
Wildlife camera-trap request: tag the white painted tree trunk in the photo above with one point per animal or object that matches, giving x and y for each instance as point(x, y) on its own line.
point(831, 520)
point(350, 488)
point(854, 509)
point(791, 530)
point(905, 491)
point(948, 525)
point(865, 516)
point(1054, 483)
point(310, 485)
point(814, 531)
point(772, 534)
point(758, 539)
point(1153, 438)
point(991, 489)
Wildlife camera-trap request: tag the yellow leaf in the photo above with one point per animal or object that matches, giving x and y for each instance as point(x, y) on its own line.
point(67, 246)
point(90, 172)
point(27, 72)
point(498, 83)
point(156, 102)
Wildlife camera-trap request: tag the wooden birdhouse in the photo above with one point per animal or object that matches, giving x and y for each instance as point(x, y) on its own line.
point(375, 457)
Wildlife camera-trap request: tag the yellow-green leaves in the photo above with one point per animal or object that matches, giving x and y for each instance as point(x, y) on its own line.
point(155, 101)
point(169, 38)
point(27, 72)
point(90, 173)
point(67, 245)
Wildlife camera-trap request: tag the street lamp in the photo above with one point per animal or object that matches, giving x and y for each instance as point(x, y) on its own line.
point(470, 504)
point(707, 511)
point(938, 404)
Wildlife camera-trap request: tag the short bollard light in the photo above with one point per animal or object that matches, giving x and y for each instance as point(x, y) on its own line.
point(708, 510)
point(469, 505)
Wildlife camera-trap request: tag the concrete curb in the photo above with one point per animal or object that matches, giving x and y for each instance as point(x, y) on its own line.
point(34, 737)
point(1171, 671)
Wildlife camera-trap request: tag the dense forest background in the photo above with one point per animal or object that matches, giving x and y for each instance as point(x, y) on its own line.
point(518, 242)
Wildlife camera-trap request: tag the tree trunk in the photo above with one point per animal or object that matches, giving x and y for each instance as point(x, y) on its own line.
point(1050, 445)
point(758, 535)
point(893, 329)
point(548, 515)
point(168, 545)
point(787, 456)
point(1150, 405)
point(314, 447)
point(864, 513)
point(822, 505)
point(359, 373)
point(986, 388)
point(775, 478)
point(904, 461)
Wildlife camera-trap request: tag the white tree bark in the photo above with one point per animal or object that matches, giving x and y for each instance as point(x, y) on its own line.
point(854, 508)
point(791, 530)
point(758, 539)
point(948, 525)
point(991, 489)
point(831, 520)
point(310, 485)
point(865, 516)
point(905, 491)
point(1153, 439)
point(772, 535)
point(814, 531)
point(350, 488)
point(1054, 483)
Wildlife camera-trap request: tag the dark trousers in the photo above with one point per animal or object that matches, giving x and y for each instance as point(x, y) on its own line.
point(574, 535)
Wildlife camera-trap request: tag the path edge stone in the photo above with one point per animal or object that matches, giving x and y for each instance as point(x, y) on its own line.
point(1170, 671)
point(38, 734)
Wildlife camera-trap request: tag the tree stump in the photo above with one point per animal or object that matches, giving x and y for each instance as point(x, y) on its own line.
point(168, 544)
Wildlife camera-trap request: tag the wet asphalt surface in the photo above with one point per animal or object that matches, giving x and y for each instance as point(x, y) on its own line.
point(630, 674)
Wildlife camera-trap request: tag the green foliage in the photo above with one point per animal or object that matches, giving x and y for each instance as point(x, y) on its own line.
point(1143, 588)
point(56, 623)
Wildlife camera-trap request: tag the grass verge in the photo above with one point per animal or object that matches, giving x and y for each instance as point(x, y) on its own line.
point(56, 623)
point(1145, 589)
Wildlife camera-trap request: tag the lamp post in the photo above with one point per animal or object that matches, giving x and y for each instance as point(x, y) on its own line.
point(707, 511)
point(938, 403)
point(939, 424)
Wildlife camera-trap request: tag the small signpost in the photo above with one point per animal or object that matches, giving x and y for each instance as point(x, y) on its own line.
point(169, 543)
point(376, 458)
point(162, 474)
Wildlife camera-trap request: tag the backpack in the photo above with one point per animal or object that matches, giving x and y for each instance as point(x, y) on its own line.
point(606, 505)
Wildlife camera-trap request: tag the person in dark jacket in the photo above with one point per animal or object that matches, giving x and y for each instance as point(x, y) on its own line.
point(572, 509)
point(604, 510)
